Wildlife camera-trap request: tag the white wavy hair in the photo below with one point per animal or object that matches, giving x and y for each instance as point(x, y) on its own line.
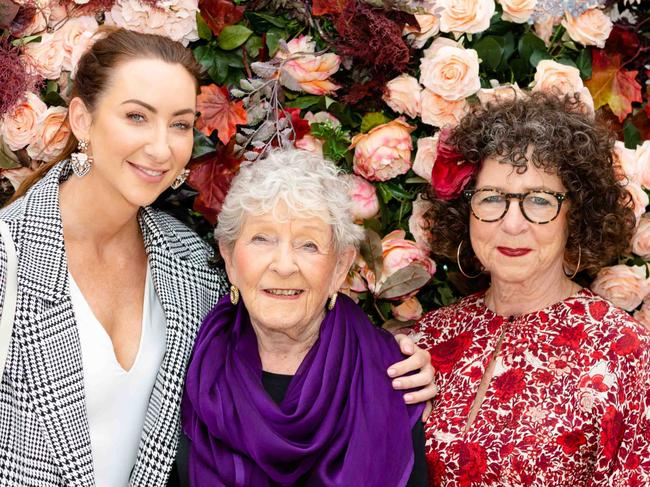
point(306, 183)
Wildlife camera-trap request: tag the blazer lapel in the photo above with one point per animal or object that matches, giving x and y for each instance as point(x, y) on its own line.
point(49, 338)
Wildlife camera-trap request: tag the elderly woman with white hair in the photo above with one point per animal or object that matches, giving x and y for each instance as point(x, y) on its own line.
point(287, 382)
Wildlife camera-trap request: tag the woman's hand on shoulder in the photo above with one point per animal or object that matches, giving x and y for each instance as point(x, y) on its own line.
point(418, 361)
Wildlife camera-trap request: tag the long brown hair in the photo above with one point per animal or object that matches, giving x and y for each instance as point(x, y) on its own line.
point(114, 46)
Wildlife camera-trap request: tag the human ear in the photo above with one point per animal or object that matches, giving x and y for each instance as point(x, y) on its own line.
point(79, 118)
point(226, 253)
point(345, 260)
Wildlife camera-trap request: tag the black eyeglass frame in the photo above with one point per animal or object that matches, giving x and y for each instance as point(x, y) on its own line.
point(468, 194)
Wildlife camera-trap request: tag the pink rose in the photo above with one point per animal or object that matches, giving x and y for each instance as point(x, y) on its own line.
point(419, 226)
point(45, 58)
point(384, 152)
point(428, 26)
point(310, 143)
point(20, 126)
point(517, 11)
point(625, 161)
point(639, 198)
point(552, 76)
point(321, 117)
point(643, 315)
point(641, 238)
point(643, 164)
point(306, 71)
point(425, 156)
point(363, 194)
point(465, 16)
point(591, 28)
point(624, 286)
point(499, 94)
point(409, 310)
point(451, 73)
point(438, 43)
point(175, 19)
point(440, 112)
point(402, 95)
point(52, 135)
point(76, 31)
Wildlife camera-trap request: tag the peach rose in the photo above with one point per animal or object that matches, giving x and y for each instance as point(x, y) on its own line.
point(625, 161)
point(428, 26)
point(321, 117)
point(175, 19)
point(402, 95)
point(310, 143)
point(544, 28)
point(439, 43)
point(384, 152)
point(17, 176)
point(465, 16)
point(439, 112)
point(517, 11)
point(409, 310)
point(77, 30)
point(20, 126)
point(52, 135)
point(45, 58)
point(639, 198)
point(643, 315)
point(499, 94)
point(641, 238)
point(425, 156)
point(552, 76)
point(643, 164)
point(625, 286)
point(591, 28)
point(418, 224)
point(452, 72)
point(363, 194)
point(305, 71)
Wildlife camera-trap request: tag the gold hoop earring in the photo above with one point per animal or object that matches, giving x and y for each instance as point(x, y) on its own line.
point(234, 294)
point(460, 268)
point(575, 272)
point(332, 301)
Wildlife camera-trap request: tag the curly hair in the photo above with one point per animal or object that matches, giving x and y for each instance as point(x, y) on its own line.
point(564, 140)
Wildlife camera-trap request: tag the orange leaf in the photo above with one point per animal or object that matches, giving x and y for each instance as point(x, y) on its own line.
point(218, 112)
point(322, 7)
point(611, 85)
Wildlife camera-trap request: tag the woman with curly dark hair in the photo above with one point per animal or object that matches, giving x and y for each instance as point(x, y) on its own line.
point(542, 382)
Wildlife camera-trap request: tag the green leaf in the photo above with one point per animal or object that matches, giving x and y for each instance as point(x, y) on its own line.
point(398, 192)
point(204, 30)
point(262, 22)
point(26, 40)
point(567, 62)
point(583, 62)
point(52, 86)
point(384, 192)
point(631, 134)
point(528, 44)
point(202, 144)
point(490, 49)
point(253, 46)
point(8, 159)
point(233, 36)
point(305, 101)
point(404, 281)
point(372, 120)
point(538, 56)
point(273, 37)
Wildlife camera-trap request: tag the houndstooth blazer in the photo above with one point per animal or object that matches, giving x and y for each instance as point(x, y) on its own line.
point(44, 436)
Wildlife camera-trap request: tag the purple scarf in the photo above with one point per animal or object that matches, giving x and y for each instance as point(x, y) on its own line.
point(340, 423)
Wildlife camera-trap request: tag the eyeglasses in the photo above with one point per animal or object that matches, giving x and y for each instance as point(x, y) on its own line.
point(491, 205)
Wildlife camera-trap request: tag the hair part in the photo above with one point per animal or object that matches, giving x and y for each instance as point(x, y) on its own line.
point(305, 183)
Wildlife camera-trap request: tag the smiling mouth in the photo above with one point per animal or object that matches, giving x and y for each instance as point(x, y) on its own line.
point(284, 292)
point(147, 171)
point(513, 252)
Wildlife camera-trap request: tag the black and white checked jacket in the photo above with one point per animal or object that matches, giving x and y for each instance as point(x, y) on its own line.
point(44, 437)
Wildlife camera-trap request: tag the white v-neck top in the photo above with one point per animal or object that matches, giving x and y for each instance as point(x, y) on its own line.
point(116, 399)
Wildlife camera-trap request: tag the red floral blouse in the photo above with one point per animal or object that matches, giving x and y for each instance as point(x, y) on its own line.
point(568, 403)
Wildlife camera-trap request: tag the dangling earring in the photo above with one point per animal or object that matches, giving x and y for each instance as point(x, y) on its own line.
point(460, 267)
point(180, 179)
point(575, 272)
point(332, 301)
point(80, 161)
point(234, 294)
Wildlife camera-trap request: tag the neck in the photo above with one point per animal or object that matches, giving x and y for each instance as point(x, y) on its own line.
point(508, 299)
point(92, 212)
point(282, 351)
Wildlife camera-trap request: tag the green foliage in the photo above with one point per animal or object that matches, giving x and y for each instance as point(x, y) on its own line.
point(233, 36)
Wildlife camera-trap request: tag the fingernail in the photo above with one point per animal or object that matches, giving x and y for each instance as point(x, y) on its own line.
point(397, 384)
point(392, 372)
point(408, 397)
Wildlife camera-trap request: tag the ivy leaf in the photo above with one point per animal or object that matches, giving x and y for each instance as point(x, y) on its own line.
point(324, 7)
point(220, 13)
point(211, 175)
point(218, 112)
point(611, 85)
point(233, 36)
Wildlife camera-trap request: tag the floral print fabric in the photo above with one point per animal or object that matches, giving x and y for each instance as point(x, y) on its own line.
point(568, 404)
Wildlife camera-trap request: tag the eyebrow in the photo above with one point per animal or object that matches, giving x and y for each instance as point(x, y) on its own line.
point(153, 110)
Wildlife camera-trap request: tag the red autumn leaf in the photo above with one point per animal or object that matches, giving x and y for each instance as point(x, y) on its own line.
point(220, 13)
point(211, 175)
point(218, 112)
point(624, 41)
point(323, 7)
point(300, 125)
point(611, 85)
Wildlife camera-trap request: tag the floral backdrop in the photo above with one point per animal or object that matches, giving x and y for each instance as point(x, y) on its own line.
point(367, 83)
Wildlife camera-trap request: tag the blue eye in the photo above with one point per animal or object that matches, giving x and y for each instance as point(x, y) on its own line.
point(183, 125)
point(539, 200)
point(310, 246)
point(492, 199)
point(136, 117)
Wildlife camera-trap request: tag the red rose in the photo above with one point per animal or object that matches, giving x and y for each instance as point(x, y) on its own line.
point(509, 384)
point(611, 431)
point(570, 336)
point(472, 463)
point(444, 355)
point(628, 343)
point(450, 171)
point(572, 441)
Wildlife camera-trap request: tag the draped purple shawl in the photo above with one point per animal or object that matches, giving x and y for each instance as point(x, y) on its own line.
point(340, 423)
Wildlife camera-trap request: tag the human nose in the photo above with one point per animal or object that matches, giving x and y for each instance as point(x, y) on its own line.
point(158, 145)
point(284, 262)
point(514, 221)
